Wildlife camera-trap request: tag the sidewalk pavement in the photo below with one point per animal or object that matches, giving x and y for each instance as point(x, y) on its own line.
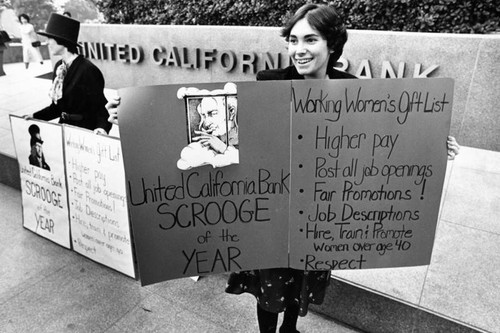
point(45, 288)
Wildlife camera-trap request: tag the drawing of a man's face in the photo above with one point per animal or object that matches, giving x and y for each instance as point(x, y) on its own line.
point(213, 116)
point(37, 150)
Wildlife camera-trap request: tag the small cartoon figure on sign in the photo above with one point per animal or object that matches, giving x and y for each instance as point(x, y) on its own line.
point(37, 158)
point(212, 122)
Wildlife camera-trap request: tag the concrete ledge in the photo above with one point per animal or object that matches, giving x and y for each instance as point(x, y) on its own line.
point(138, 55)
point(373, 312)
point(14, 53)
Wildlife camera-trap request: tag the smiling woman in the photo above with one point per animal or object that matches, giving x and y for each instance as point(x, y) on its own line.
point(316, 37)
point(308, 50)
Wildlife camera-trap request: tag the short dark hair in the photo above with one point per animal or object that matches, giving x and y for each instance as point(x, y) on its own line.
point(25, 16)
point(70, 46)
point(326, 21)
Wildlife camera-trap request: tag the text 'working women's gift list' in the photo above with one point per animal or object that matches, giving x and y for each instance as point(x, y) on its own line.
point(368, 164)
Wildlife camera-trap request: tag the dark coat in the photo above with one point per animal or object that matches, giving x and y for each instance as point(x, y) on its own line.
point(278, 288)
point(290, 73)
point(34, 161)
point(83, 97)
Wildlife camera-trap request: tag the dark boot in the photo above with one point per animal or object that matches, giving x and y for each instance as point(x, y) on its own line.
point(268, 321)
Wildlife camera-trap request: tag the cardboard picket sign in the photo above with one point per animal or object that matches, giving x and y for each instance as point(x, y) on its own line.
point(73, 190)
point(294, 197)
point(367, 171)
point(196, 221)
point(39, 150)
point(98, 205)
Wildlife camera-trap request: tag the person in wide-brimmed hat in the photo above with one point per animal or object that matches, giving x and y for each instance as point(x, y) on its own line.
point(77, 90)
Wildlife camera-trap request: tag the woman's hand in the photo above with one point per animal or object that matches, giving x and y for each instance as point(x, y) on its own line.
point(211, 141)
point(453, 147)
point(112, 107)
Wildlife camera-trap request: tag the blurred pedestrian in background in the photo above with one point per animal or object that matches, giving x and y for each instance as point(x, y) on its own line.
point(30, 42)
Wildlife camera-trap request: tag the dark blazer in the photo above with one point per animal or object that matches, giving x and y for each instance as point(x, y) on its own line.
point(34, 161)
point(290, 73)
point(83, 98)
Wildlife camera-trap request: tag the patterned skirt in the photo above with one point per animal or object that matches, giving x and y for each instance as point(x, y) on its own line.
point(277, 288)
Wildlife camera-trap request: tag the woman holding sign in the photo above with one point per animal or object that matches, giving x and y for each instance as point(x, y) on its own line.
point(316, 38)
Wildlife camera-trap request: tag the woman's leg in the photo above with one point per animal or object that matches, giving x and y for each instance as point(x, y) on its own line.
point(38, 55)
point(26, 57)
point(290, 317)
point(268, 321)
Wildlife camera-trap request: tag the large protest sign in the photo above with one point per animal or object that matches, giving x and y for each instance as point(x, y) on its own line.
point(98, 205)
point(368, 164)
point(39, 149)
point(188, 216)
point(354, 182)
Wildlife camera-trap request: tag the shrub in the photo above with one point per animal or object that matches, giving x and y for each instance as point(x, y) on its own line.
point(454, 16)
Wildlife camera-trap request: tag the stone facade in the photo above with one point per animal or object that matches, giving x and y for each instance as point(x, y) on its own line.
point(135, 55)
